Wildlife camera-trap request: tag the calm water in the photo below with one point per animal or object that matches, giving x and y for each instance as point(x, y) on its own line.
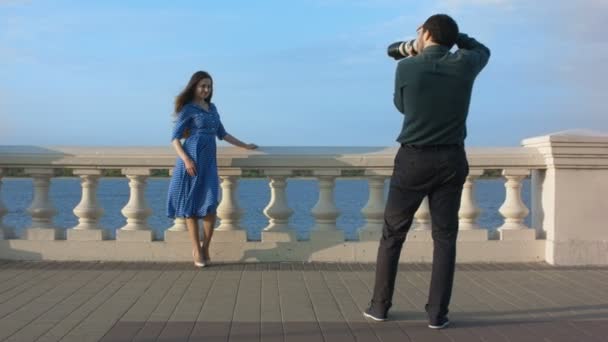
point(351, 195)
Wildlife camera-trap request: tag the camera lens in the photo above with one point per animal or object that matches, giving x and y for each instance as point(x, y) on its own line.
point(398, 50)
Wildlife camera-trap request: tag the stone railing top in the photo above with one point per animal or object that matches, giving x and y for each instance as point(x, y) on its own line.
point(266, 157)
point(572, 149)
point(575, 136)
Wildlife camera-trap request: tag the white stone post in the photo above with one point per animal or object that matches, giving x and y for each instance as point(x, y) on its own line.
point(136, 211)
point(325, 211)
point(573, 205)
point(88, 210)
point(513, 209)
point(229, 211)
point(178, 232)
point(41, 209)
point(468, 228)
point(422, 217)
point(421, 229)
point(179, 225)
point(374, 209)
point(6, 231)
point(277, 211)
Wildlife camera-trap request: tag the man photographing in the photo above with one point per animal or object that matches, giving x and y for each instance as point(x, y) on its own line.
point(433, 91)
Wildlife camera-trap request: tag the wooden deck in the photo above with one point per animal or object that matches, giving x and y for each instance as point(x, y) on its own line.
point(73, 301)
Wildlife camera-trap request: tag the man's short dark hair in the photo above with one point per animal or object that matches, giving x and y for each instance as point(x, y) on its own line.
point(443, 29)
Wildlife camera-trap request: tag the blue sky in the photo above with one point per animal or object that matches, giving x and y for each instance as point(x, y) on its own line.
point(286, 72)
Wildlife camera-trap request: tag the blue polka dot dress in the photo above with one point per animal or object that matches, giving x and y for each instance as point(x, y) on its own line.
point(196, 196)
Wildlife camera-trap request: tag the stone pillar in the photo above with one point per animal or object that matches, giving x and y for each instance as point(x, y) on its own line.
point(374, 209)
point(573, 205)
point(469, 230)
point(179, 225)
point(229, 211)
point(41, 209)
point(421, 229)
point(422, 217)
point(88, 210)
point(513, 209)
point(325, 211)
point(277, 211)
point(178, 232)
point(136, 211)
point(6, 231)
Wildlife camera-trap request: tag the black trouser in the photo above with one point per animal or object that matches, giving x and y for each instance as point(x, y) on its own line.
point(438, 172)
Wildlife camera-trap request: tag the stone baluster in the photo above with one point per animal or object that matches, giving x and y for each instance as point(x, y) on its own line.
point(469, 230)
point(136, 211)
point(325, 211)
point(277, 211)
point(513, 209)
point(469, 211)
point(373, 212)
point(178, 232)
point(421, 228)
point(88, 210)
point(41, 209)
point(179, 225)
point(422, 217)
point(229, 211)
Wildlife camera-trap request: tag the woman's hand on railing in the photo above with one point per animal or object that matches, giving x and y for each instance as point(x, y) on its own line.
point(236, 142)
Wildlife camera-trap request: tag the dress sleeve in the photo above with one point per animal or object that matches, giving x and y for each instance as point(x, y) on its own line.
point(181, 124)
point(221, 131)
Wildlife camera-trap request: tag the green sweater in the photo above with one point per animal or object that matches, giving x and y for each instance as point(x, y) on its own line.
point(433, 91)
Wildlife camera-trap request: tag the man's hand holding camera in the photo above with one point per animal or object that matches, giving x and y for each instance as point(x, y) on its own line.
point(410, 47)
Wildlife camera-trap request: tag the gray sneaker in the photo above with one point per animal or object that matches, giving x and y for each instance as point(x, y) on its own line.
point(375, 315)
point(440, 323)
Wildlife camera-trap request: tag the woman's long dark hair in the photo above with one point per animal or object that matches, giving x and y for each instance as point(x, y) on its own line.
point(187, 95)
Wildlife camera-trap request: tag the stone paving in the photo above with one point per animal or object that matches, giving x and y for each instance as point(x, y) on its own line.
point(94, 301)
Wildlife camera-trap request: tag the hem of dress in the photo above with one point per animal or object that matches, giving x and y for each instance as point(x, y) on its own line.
point(197, 215)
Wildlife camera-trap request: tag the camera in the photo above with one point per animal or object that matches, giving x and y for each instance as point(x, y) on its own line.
point(398, 50)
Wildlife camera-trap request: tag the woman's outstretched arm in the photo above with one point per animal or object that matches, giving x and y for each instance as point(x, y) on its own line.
point(236, 142)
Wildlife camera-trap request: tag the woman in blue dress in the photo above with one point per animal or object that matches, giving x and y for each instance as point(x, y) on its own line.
point(194, 187)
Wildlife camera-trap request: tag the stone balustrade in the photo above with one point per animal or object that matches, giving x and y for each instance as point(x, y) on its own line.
point(559, 233)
